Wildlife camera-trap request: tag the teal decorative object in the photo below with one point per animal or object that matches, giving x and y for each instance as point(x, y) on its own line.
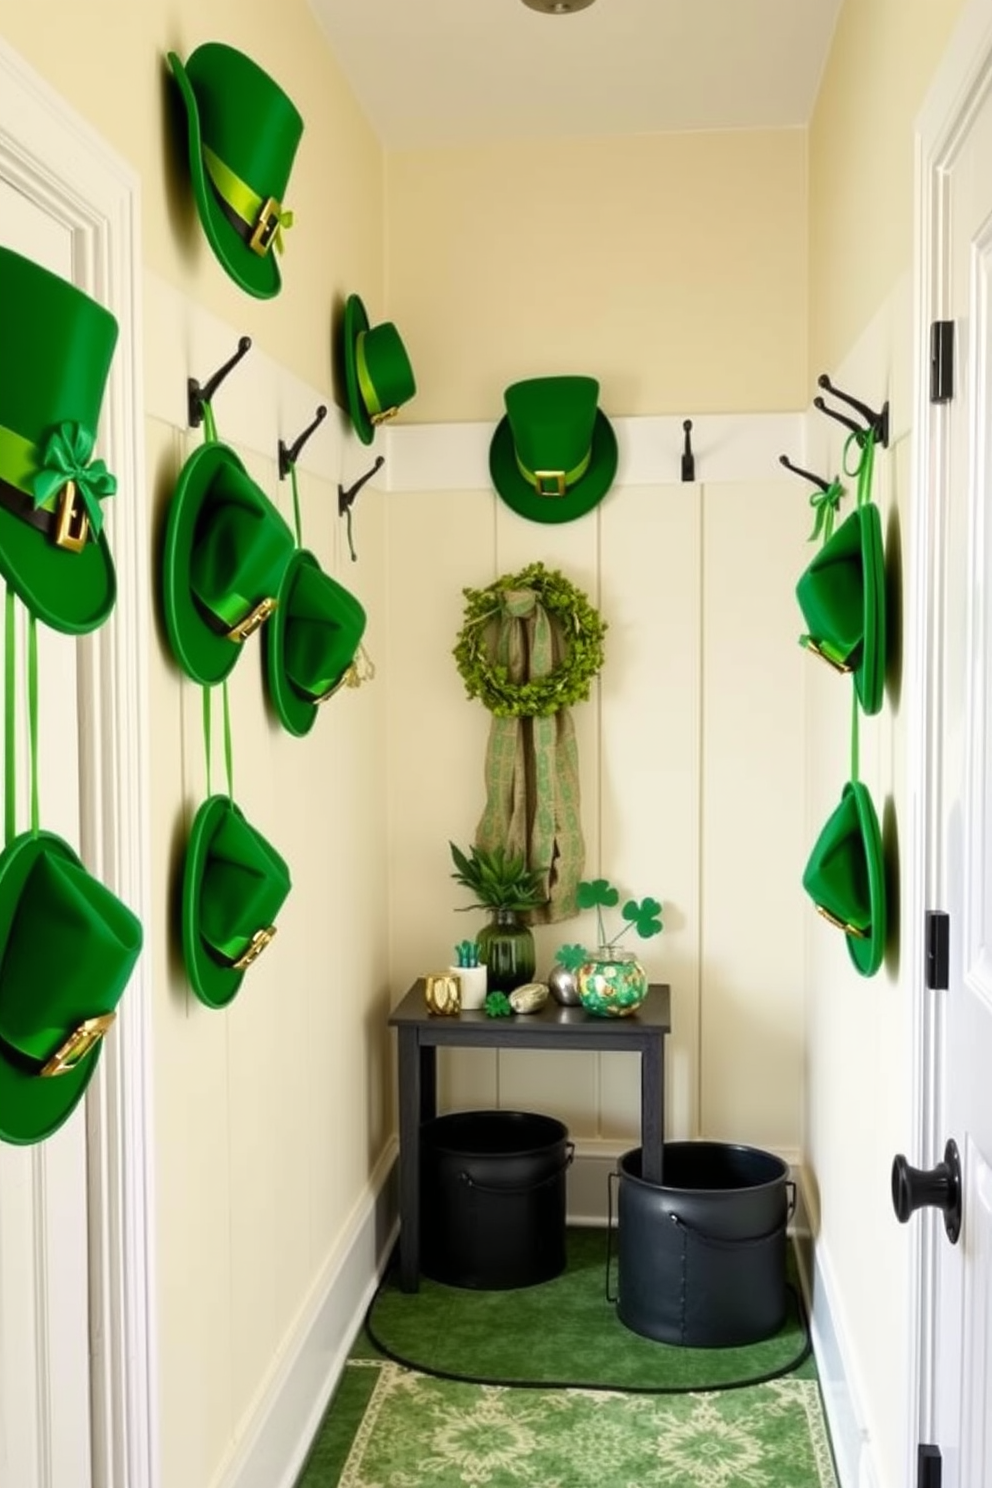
point(467, 953)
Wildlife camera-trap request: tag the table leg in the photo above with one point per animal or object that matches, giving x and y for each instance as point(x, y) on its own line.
point(411, 1098)
point(428, 1082)
point(652, 1110)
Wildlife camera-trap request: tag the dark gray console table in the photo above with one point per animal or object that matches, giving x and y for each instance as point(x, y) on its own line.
point(420, 1035)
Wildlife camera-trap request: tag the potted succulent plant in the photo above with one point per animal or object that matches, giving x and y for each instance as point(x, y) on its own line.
point(501, 882)
point(611, 982)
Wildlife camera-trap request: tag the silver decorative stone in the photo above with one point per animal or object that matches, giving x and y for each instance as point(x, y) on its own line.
point(530, 998)
point(563, 985)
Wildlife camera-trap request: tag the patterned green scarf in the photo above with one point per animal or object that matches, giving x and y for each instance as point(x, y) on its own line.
point(532, 764)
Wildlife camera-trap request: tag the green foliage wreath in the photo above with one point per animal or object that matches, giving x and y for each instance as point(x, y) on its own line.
point(578, 626)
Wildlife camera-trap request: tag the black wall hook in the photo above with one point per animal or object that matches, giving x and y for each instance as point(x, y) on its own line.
point(878, 423)
point(197, 395)
point(289, 454)
point(806, 474)
point(688, 459)
point(346, 498)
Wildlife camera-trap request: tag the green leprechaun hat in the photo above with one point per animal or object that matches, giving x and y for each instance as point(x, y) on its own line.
point(310, 642)
point(57, 349)
point(553, 456)
point(234, 885)
point(67, 950)
point(378, 375)
point(226, 547)
point(243, 133)
point(842, 597)
point(845, 877)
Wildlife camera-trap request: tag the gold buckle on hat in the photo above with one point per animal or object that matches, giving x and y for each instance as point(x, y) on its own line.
point(266, 226)
point(72, 525)
point(842, 924)
point(558, 476)
point(362, 669)
point(383, 415)
point(78, 1045)
point(838, 666)
point(259, 941)
point(251, 623)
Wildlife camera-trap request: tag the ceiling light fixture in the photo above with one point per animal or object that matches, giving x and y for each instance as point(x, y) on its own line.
point(557, 7)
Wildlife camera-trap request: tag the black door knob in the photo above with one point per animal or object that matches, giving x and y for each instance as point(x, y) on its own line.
point(915, 1188)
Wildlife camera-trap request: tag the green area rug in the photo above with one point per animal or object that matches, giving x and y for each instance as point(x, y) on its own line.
point(391, 1428)
point(563, 1333)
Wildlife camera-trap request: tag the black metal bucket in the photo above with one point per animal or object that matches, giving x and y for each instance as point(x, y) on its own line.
point(493, 1198)
point(701, 1256)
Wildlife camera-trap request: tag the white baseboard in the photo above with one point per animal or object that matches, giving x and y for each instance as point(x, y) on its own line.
point(284, 1418)
point(853, 1454)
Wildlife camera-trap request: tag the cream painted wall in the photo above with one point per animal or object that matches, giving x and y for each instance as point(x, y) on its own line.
point(861, 163)
point(691, 768)
point(859, 1035)
point(270, 1117)
point(108, 59)
point(671, 267)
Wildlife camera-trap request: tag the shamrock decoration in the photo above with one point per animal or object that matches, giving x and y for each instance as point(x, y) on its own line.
point(599, 894)
point(571, 956)
point(497, 1005)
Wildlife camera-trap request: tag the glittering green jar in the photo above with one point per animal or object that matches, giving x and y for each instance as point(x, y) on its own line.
point(611, 983)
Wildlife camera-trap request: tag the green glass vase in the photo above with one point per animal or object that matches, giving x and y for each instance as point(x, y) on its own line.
point(506, 949)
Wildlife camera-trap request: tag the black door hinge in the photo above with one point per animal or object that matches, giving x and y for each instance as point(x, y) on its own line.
point(941, 361)
point(928, 1466)
point(937, 935)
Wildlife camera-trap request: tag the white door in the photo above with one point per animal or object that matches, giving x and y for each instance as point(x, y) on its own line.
point(44, 1268)
point(959, 788)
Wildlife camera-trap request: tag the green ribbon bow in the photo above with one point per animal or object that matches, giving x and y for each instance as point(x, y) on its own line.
point(825, 504)
point(66, 457)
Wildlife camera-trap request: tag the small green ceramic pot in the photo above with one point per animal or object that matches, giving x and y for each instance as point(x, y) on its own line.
point(612, 983)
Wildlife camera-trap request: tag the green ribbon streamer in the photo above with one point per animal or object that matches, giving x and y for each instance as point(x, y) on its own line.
point(863, 440)
point(33, 716)
point(10, 716)
point(209, 425)
point(228, 752)
point(207, 751)
point(208, 738)
point(9, 731)
point(296, 506)
point(825, 504)
point(239, 195)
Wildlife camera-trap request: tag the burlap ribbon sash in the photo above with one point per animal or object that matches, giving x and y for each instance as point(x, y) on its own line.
point(532, 764)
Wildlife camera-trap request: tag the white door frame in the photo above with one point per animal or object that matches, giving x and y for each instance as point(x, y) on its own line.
point(962, 79)
point(57, 160)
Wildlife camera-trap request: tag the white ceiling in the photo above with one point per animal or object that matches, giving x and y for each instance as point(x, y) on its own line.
point(445, 72)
